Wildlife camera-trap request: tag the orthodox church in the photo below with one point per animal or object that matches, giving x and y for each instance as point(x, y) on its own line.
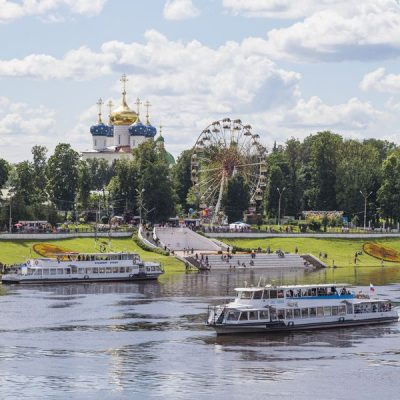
point(124, 131)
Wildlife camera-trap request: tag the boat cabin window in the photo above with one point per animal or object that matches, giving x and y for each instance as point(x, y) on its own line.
point(289, 314)
point(335, 310)
point(243, 316)
point(320, 311)
point(304, 313)
point(296, 313)
point(245, 295)
point(273, 294)
point(266, 294)
point(45, 271)
point(253, 315)
point(95, 270)
point(312, 312)
point(281, 314)
point(289, 293)
point(327, 311)
point(263, 314)
point(60, 271)
point(342, 310)
point(280, 294)
point(257, 294)
point(233, 316)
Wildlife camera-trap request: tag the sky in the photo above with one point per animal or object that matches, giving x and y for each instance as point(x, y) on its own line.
point(288, 68)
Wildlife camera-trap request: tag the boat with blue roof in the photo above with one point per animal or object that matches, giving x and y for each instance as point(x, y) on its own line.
point(299, 307)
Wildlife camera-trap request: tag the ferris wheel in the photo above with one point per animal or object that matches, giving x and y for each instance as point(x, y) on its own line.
point(223, 149)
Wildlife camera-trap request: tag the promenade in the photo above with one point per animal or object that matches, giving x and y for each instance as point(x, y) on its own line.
point(260, 235)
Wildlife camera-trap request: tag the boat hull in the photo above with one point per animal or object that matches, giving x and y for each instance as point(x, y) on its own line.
point(27, 280)
point(223, 329)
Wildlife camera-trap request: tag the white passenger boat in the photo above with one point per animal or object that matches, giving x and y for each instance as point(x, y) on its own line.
point(299, 307)
point(85, 267)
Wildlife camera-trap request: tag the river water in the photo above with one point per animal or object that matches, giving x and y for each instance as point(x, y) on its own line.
point(148, 341)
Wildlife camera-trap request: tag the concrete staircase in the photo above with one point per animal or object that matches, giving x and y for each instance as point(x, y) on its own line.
point(178, 239)
point(260, 261)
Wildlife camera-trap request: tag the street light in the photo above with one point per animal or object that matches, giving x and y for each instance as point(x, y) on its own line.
point(140, 196)
point(279, 204)
point(365, 207)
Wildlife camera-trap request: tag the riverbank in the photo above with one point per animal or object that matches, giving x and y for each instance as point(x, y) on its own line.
point(16, 252)
point(339, 252)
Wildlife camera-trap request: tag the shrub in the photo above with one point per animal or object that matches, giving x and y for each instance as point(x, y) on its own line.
point(145, 247)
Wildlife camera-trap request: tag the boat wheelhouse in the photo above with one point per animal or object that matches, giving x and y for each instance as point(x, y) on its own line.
point(298, 307)
point(85, 267)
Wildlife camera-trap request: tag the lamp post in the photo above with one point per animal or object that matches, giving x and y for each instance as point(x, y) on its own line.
point(10, 218)
point(365, 207)
point(140, 196)
point(279, 204)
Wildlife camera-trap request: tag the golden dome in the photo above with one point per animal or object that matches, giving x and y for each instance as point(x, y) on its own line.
point(123, 115)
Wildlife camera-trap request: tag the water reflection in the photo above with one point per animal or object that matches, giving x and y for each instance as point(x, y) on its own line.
point(148, 340)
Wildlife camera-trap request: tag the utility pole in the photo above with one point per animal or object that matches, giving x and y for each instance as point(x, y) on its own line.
point(279, 204)
point(365, 207)
point(10, 219)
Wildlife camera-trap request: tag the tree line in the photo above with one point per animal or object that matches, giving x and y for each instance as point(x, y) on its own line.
point(322, 172)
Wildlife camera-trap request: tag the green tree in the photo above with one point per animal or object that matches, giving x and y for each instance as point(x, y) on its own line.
point(84, 185)
point(100, 172)
point(236, 198)
point(63, 173)
point(4, 170)
point(155, 187)
point(181, 176)
point(389, 192)
point(122, 187)
point(39, 174)
point(275, 180)
point(358, 170)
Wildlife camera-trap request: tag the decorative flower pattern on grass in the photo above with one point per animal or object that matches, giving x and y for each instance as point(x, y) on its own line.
point(381, 252)
point(49, 250)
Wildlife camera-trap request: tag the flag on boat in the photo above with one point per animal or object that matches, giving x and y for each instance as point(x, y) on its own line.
point(371, 288)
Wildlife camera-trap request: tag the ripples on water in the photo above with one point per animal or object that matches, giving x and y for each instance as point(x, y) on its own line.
point(148, 340)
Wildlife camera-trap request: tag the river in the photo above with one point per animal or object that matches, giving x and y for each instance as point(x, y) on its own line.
point(148, 341)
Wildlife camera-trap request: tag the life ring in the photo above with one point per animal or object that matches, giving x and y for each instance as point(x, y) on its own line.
point(290, 323)
point(86, 277)
point(130, 275)
point(341, 319)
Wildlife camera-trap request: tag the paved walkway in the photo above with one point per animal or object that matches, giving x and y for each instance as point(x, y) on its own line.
point(259, 235)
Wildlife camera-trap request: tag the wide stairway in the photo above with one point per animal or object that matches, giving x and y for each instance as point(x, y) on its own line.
point(179, 239)
point(260, 261)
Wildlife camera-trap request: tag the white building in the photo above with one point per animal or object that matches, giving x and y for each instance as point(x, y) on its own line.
point(123, 133)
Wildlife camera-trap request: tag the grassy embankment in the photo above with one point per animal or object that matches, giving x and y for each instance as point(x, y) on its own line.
point(15, 252)
point(339, 251)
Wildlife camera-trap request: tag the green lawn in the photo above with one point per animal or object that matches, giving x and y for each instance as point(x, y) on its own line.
point(14, 252)
point(339, 251)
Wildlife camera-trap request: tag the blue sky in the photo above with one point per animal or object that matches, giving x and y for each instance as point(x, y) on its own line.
point(287, 68)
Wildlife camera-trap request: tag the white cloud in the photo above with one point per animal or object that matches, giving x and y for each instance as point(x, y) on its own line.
point(76, 64)
point(329, 30)
point(330, 36)
point(233, 75)
point(22, 127)
point(180, 9)
point(380, 81)
point(11, 10)
point(315, 114)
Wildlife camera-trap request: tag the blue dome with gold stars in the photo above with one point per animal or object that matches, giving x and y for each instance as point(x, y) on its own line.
point(100, 130)
point(138, 129)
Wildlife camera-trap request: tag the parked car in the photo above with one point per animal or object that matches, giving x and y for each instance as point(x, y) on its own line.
point(239, 225)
